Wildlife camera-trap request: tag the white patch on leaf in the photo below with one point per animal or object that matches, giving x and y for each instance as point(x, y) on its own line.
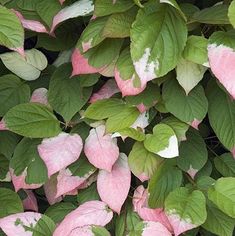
point(172, 150)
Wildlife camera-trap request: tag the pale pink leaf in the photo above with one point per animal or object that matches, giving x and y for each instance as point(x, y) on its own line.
point(31, 24)
point(30, 202)
point(233, 152)
point(60, 151)
point(19, 181)
point(222, 63)
point(140, 204)
point(113, 187)
point(107, 90)
point(142, 108)
point(82, 231)
point(127, 86)
point(154, 229)
point(195, 123)
point(89, 213)
point(40, 96)
point(61, 1)
point(3, 125)
point(14, 225)
point(19, 50)
point(101, 149)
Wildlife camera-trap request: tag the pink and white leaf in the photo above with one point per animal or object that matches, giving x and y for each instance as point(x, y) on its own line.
point(89, 213)
point(155, 229)
point(16, 224)
point(113, 187)
point(60, 151)
point(30, 202)
point(222, 63)
point(40, 96)
point(107, 90)
point(101, 149)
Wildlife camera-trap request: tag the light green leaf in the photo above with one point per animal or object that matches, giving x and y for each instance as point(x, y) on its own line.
point(74, 96)
point(106, 7)
point(44, 227)
point(26, 158)
point(124, 119)
point(32, 120)
point(214, 15)
point(223, 125)
point(217, 222)
point(142, 162)
point(188, 207)
point(192, 153)
point(104, 108)
point(222, 195)
point(186, 108)
point(196, 50)
point(12, 92)
point(178, 126)
point(11, 30)
point(10, 202)
point(58, 211)
point(100, 231)
point(165, 179)
point(118, 25)
point(132, 133)
point(162, 142)
point(231, 13)
point(28, 67)
point(189, 74)
point(149, 37)
point(225, 164)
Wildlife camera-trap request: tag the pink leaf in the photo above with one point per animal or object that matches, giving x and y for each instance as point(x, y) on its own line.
point(61, 1)
point(80, 64)
point(101, 149)
point(30, 202)
point(155, 229)
point(140, 200)
point(106, 91)
point(89, 213)
point(15, 225)
point(60, 151)
point(31, 24)
point(3, 125)
point(19, 50)
point(142, 108)
point(222, 63)
point(19, 181)
point(126, 86)
point(40, 96)
point(195, 123)
point(113, 187)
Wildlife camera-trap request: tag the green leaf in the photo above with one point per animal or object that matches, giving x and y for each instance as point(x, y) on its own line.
point(189, 74)
point(132, 133)
point(214, 15)
point(223, 126)
point(74, 96)
point(26, 4)
point(88, 194)
point(47, 10)
point(222, 195)
point(10, 202)
point(217, 222)
point(8, 142)
point(32, 120)
point(186, 108)
point(225, 164)
point(100, 231)
point(178, 126)
point(4, 167)
point(12, 92)
point(44, 227)
point(142, 162)
point(106, 7)
point(124, 119)
point(11, 30)
point(165, 179)
point(58, 211)
point(231, 13)
point(204, 183)
point(28, 67)
point(150, 36)
point(192, 153)
point(104, 108)
point(224, 38)
point(196, 50)
point(189, 207)
point(118, 25)
point(26, 158)
point(162, 142)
